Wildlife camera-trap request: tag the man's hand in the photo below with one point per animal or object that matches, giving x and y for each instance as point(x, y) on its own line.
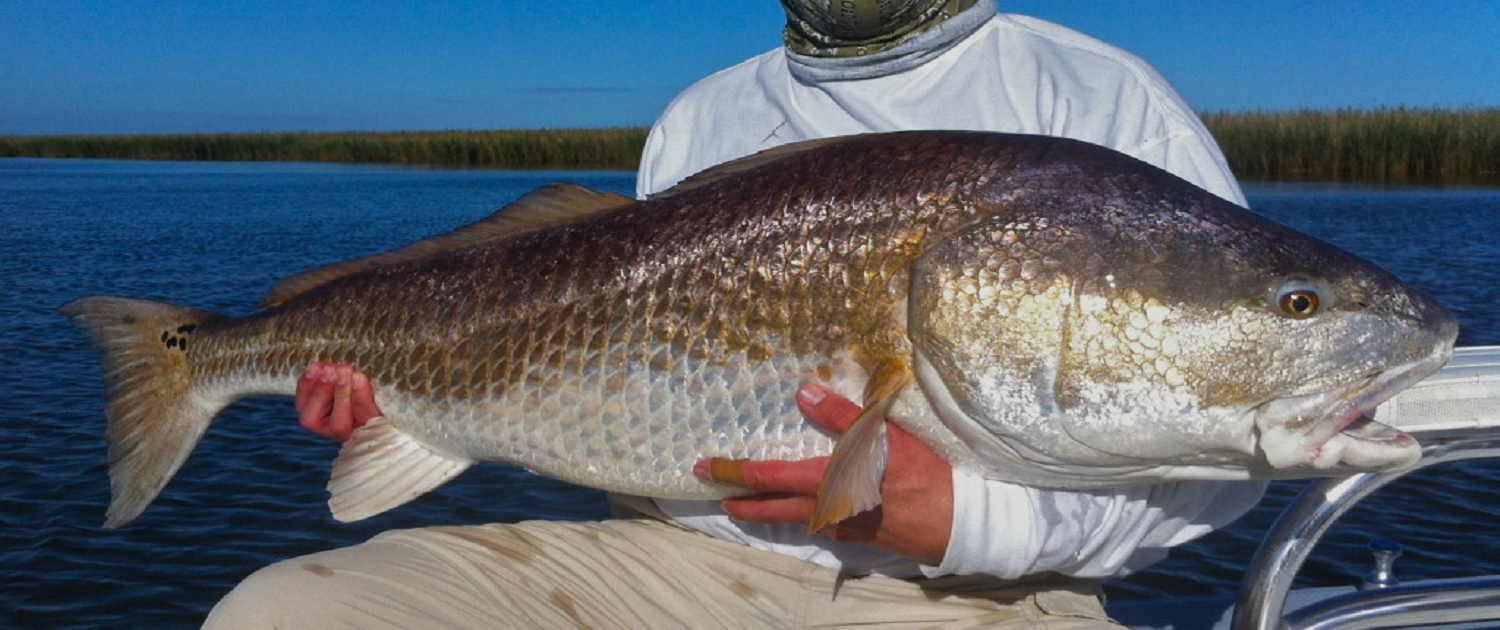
point(916, 514)
point(333, 400)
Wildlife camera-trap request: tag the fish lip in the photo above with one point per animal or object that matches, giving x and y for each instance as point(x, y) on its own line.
point(1315, 430)
point(1379, 389)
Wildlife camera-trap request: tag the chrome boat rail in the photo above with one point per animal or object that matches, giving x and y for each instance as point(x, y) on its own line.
point(1445, 602)
point(1456, 415)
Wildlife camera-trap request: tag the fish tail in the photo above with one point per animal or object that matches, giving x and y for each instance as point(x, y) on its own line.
point(155, 421)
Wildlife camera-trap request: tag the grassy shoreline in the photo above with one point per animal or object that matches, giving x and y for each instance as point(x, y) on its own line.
point(1398, 145)
point(587, 149)
point(1381, 145)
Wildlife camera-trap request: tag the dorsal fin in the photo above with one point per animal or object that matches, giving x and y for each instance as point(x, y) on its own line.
point(734, 167)
point(550, 205)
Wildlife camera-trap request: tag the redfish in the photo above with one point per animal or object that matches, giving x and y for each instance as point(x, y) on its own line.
point(1038, 310)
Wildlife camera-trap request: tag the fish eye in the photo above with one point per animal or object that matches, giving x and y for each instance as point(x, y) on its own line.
point(1298, 303)
point(1299, 297)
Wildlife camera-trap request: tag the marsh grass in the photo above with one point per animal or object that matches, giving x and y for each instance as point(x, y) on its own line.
point(614, 148)
point(1382, 145)
point(1438, 146)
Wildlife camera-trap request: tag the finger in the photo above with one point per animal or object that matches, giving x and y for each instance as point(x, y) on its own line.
point(340, 423)
point(773, 509)
point(861, 528)
point(826, 408)
point(778, 509)
point(722, 471)
point(312, 413)
point(362, 399)
point(799, 477)
point(306, 383)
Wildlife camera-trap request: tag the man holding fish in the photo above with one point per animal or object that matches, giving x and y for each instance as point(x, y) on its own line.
point(946, 546)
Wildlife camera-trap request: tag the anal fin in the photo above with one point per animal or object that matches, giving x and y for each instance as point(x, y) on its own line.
point(852, 483)
point(382, 467)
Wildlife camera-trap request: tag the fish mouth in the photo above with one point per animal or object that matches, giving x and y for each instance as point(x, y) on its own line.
point(1332, 431)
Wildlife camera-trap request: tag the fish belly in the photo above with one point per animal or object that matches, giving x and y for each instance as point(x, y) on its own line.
point(624, 427)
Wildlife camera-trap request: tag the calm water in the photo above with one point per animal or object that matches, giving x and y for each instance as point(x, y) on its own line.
point(216, 235)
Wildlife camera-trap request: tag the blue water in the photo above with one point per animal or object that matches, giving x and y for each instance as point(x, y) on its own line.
point(216, 235)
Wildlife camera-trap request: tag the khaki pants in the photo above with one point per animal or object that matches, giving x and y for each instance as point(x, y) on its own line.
point(636, 573)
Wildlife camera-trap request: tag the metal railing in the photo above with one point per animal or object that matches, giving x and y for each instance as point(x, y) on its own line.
point(1281, 554)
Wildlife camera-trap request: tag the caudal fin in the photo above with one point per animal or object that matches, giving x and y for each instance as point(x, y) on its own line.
point(154, 420)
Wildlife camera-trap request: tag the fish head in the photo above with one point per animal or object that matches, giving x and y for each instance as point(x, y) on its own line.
point(1106, 339)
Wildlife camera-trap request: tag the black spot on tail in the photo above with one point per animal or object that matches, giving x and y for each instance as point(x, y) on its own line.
point(178, 340)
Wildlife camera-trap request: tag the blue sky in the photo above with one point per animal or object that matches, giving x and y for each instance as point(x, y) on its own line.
point(138, 66)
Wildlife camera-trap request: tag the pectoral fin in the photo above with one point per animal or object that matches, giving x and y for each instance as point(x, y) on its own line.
point(852, 483)
point(382, 467)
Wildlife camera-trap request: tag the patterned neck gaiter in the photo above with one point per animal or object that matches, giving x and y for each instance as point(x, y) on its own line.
point(854, 28)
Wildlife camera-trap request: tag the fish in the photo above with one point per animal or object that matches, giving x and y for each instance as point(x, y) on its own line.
point(1037, 310)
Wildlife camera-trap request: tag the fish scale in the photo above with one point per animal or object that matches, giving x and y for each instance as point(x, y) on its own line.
point(957, 282)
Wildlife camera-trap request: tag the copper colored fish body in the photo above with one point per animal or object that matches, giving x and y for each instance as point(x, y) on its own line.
point(1037, 309)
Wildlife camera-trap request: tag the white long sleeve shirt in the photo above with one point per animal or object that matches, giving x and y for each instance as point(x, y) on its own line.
point(989, 72)
point(1013, 74)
